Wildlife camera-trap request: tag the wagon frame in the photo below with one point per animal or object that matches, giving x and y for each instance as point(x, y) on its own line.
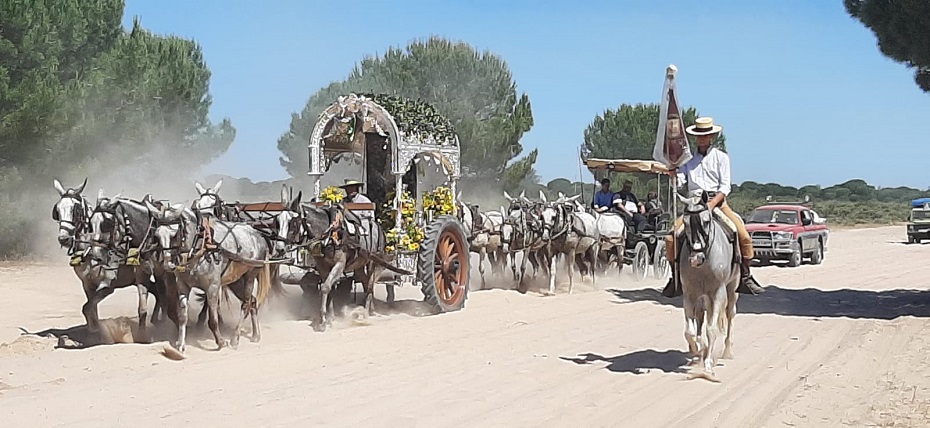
point(648, 248)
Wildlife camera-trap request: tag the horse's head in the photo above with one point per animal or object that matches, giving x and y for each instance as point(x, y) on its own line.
point(174, 227)
point(104, 220)
point(698, 223)
point(71, 212)
point(209, 202)
point(289, 223)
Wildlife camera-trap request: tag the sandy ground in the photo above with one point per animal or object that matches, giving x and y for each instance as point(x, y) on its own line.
point(844, 343)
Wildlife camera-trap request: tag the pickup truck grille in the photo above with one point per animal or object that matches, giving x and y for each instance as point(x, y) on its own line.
point(762, 239)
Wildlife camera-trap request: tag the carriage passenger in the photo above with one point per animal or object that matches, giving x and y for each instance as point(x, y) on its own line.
point(354, 195)
point(630, 207)
point(604, 198)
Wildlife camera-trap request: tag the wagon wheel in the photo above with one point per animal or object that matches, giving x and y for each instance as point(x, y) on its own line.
point(443, 265)
point(640, 261)
point(660, 266)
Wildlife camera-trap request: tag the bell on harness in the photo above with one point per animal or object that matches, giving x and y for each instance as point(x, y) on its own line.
point(132, 259)
point(76, 260)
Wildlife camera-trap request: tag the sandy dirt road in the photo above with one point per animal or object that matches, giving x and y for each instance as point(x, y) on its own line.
point(844, 343)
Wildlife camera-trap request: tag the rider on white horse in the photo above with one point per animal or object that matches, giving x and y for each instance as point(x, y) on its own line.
point(709, 171)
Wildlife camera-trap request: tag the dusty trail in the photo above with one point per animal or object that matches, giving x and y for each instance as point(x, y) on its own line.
point(845, 342)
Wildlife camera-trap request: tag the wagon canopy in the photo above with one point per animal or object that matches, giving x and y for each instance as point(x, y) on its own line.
point(410, 127)
point(626, 165)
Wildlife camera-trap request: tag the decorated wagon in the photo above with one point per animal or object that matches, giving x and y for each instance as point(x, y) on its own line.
point(395, 148)
point(647, 248)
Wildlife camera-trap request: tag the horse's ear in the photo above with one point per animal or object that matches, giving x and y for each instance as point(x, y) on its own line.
point(59, 187)
point(295, 204)
point(682, 198)
point(152, 208)
point(199, 187)
point(81, 189)
point(542, 197)
point(216, 187)
point(507, 196)
point(573, 198)
point(704, 198)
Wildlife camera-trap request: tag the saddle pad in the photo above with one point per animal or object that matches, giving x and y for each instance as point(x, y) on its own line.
point(725, 220)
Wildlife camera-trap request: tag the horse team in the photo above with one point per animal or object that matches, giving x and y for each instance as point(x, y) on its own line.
point(169, 250)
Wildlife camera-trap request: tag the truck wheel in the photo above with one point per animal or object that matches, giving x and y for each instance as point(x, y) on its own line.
point(817, 255)
point(795, 259)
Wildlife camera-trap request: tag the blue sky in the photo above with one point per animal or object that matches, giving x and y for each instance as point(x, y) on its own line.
point(803, 93)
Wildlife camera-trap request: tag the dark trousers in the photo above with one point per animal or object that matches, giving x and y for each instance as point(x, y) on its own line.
point(637, 220)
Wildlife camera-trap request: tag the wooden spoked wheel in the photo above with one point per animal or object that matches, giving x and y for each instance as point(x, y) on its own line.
point(443, 265)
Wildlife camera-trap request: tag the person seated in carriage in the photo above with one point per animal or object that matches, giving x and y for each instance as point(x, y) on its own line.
point(630, 207)
point(354, 195)
point(653, 209)
point(603, 200)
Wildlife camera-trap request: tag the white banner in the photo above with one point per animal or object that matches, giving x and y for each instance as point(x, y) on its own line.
point(671, 146)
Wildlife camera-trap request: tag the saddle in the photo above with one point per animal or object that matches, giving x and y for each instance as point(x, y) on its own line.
point(729, 230)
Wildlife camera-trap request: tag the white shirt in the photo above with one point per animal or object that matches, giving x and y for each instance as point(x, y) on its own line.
point(362, 199)
point(709, 173)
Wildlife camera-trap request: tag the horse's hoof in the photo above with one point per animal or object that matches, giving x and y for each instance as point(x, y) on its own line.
point(255, 339)
point(234, 345)
point(220, 344)
point(727, 355)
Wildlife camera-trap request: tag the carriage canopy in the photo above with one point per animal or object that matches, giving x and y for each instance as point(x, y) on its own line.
point(393, 129)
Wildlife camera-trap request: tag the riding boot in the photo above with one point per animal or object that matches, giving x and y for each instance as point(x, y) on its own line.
point(673, 288)
point(748, 284)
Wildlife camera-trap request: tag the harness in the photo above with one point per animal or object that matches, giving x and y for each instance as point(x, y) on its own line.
point(78, 225)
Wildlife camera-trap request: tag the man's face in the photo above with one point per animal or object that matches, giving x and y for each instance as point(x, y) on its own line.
point(627, 188)
point(704, 141)
point(605, 187)
point(352, 190)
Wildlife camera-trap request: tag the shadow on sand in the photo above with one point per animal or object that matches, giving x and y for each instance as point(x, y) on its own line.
point(637, 362)
point(812, 302)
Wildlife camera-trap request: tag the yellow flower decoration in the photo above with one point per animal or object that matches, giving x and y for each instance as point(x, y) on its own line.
point(440, 201)
point(332, 194)
point(409, 235)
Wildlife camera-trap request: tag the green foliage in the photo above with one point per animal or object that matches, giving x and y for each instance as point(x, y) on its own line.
point(475, 91)
point(903, 31)
point(79, 95)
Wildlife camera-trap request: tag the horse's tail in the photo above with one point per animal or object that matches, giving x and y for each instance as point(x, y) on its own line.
point(265, 283)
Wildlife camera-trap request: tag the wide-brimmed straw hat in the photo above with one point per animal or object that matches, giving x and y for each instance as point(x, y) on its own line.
point(349, 183)
point(704, 126)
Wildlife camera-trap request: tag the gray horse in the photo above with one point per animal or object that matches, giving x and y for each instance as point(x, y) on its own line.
point(709, 276)
point(238, 259)
point(122, 228)
point(94, 264)
point(341, 244)
point(569, 233)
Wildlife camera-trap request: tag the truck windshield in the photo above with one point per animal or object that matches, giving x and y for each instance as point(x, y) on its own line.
point(765, 215)
point(920, 215)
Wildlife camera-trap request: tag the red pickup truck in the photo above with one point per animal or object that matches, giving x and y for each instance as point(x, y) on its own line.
point(787, 232)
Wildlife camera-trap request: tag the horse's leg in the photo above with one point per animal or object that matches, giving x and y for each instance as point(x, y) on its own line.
point(213, 298)
point(325, 289)
point(482, 256)
point(717, 306)
point(732, 295)
point(182, 319)
point(552, 261)
point(691, 328)
point(143, 290)
point(571, 268)
point(90, 308)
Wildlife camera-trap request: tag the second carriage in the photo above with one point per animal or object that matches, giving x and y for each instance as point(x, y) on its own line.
point(646, 249)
